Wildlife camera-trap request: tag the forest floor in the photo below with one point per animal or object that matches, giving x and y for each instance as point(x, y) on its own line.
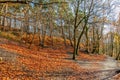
point(17, 62)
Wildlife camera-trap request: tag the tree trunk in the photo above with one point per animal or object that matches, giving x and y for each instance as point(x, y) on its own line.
point(70, 39)
point(80, 36)
point(64, 37)
point(87, 40)
point(74, 53)
point(118, 55)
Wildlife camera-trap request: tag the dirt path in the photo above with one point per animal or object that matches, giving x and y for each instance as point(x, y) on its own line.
point(108, 63)
point(7, 55)
point(105, 69)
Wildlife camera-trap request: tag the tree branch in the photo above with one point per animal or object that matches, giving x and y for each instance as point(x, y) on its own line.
point(26, 2)
point(46, 3)
point(22, 2)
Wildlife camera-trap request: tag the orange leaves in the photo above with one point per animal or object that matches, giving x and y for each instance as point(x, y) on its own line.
point(42, 62)
point(45, 60)
point(91, 57)
point(117, 77)
point(5, 78)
